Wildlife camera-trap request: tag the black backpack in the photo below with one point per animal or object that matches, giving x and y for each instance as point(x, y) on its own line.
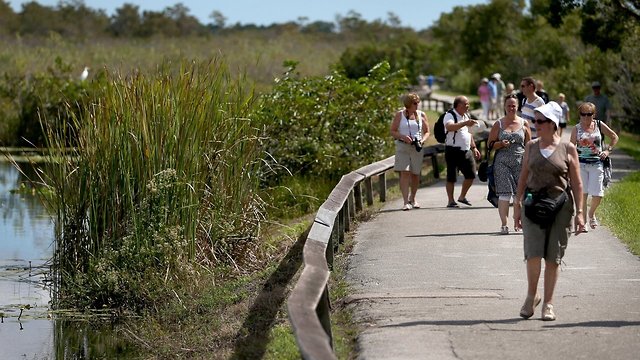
point(438, 129)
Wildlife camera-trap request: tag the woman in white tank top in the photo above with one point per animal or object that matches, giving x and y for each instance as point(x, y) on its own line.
point(410, 129)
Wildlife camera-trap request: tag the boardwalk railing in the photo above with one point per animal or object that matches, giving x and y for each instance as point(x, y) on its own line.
point(308, 304)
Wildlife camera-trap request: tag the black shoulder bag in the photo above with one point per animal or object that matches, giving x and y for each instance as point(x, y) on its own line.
point(541, 208)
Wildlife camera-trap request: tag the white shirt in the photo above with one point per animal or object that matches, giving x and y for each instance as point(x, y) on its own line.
point(462, 137)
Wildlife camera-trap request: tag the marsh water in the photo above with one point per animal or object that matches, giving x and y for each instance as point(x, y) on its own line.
point(28, 327)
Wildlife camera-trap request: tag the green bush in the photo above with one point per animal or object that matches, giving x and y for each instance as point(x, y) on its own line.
point(53, 96)
point(325, 127)
point(409, 54)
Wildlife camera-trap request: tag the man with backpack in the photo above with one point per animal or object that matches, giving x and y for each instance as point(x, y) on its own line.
point(460, 149)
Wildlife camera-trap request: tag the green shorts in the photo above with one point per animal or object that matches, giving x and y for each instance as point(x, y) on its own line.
point(534, 235)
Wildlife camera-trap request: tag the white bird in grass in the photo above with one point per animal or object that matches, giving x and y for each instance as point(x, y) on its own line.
point(85, 74)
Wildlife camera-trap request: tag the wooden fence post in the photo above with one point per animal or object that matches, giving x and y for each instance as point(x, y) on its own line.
point(369, 191)
point(357, 197)
point(383, 186)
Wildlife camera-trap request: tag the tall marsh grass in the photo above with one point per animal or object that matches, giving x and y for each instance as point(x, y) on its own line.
point(163, 177)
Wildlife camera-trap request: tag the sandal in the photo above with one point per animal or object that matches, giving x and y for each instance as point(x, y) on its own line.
point(529, 306)
point(593, 222)
point(464, 201)
point(407, 207)
point(453, 204)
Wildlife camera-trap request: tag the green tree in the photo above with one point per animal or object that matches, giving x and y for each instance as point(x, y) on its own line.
point(126, 21)
point(185, 24)
point(219, 20)
point(35, 19)
point(408, 53)
point(79, 21)
point(8, 18)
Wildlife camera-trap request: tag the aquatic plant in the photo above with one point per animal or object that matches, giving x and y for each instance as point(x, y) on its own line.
point(164, 176)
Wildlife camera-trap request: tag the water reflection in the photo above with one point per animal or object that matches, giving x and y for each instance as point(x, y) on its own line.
point(27, 328)
point(25, 249)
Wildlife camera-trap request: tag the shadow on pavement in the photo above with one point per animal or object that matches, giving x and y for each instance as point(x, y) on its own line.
point(492, 233)
point(603, 323)
point(455, 322)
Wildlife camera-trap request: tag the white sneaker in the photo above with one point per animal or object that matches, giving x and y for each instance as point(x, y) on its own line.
point(407, 207)
point(504, 230)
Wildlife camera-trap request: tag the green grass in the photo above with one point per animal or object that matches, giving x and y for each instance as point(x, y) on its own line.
point(282, 345)
point(619, 209)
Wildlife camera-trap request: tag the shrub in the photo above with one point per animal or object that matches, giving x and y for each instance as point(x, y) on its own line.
point(325, 127)
point(408, 54)
point(53, 96)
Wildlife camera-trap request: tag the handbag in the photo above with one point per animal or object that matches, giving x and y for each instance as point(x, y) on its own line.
point(606, 167)
point(484, 166)
point(482, 170)
point(492, 197)
point(606, 164)
point(542, 209)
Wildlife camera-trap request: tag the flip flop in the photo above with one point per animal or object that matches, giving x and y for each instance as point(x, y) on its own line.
point(453, 204)
point(464, 201)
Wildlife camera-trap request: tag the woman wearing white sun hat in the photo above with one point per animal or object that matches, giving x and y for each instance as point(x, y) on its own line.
point(550, 166)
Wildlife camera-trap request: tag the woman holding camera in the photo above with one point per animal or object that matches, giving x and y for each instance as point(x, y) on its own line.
point(410, 129)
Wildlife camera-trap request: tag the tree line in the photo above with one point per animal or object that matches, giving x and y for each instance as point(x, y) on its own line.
point(74, 19)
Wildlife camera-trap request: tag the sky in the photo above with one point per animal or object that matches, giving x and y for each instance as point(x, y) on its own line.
point(421, 15)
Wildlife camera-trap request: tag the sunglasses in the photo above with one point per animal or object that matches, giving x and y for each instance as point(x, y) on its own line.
point(540, 122)
point(586, 114)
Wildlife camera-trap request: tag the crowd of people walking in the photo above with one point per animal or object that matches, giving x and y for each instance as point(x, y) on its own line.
point(547, 180)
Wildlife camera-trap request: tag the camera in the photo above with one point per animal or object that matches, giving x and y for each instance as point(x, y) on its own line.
point(416, 144)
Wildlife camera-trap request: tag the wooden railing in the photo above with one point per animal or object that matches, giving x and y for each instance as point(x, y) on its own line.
point(308, 304)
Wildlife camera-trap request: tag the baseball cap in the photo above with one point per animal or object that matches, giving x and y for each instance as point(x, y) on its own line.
point(595, 84)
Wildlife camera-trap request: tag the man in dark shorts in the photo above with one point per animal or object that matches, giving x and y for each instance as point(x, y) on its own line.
point(460, 150)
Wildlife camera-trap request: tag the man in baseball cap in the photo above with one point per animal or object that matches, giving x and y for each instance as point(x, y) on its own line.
point(601, 101)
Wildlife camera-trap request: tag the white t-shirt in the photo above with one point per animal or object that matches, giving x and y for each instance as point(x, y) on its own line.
point(460, 138)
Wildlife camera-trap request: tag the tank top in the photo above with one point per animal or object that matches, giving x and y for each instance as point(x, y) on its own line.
point(550, 173)
point(410, 127)
point(589, 144)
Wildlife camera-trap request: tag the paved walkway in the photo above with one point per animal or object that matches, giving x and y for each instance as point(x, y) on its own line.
point(438, 283)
